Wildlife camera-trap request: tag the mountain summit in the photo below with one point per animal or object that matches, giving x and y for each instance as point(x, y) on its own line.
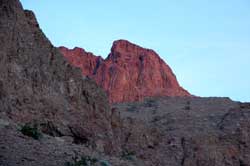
point(129, 73)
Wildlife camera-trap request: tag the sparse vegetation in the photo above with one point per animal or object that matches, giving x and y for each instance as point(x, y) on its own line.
point(83, 161)
point(150, 102)
point(128, 155)
point(31, 131)
point(132, 108)
point(188, 107)
point(104, 163)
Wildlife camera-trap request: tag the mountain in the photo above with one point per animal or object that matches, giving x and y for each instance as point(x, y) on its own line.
point(53, 115)
point(129, 73)
point(39, 87)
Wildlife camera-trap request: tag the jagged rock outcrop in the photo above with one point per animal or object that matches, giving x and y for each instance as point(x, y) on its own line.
point(86, 61)
point(38, 86)
point(129, 73)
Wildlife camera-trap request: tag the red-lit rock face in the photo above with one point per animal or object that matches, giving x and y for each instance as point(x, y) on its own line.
point(78, 57)
point(129, 73)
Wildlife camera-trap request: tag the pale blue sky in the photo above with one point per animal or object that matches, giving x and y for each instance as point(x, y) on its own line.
point(205, 42)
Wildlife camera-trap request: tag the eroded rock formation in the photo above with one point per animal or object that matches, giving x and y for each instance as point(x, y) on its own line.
point(129, 73)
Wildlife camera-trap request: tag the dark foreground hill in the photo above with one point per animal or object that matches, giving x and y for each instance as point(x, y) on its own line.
point(51, 115)
point(38, 86)
point(170, 131)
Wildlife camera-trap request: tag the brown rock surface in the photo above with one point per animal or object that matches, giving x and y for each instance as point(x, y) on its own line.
point(186, 131)
point(37, 85)
point(86, 61)
point(129, 73)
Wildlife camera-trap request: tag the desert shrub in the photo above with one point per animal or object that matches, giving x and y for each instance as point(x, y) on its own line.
point(49, 128)
point(132, 108)
point(31, 131)
point(128, 155)
point(83, 161)
point(150, 103)
point(244, 105)
point(188, 107)
point(104, 163)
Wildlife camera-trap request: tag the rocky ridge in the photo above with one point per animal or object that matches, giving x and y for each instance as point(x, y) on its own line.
point(129, 73)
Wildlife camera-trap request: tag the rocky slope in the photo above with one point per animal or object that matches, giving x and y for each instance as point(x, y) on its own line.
point(38, 86)
point(169, 131)
point(129, 73)
point(174, 131)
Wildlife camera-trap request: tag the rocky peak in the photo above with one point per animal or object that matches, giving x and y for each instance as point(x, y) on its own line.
point(124, 50)
point(124, 46)
point(129, 73)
